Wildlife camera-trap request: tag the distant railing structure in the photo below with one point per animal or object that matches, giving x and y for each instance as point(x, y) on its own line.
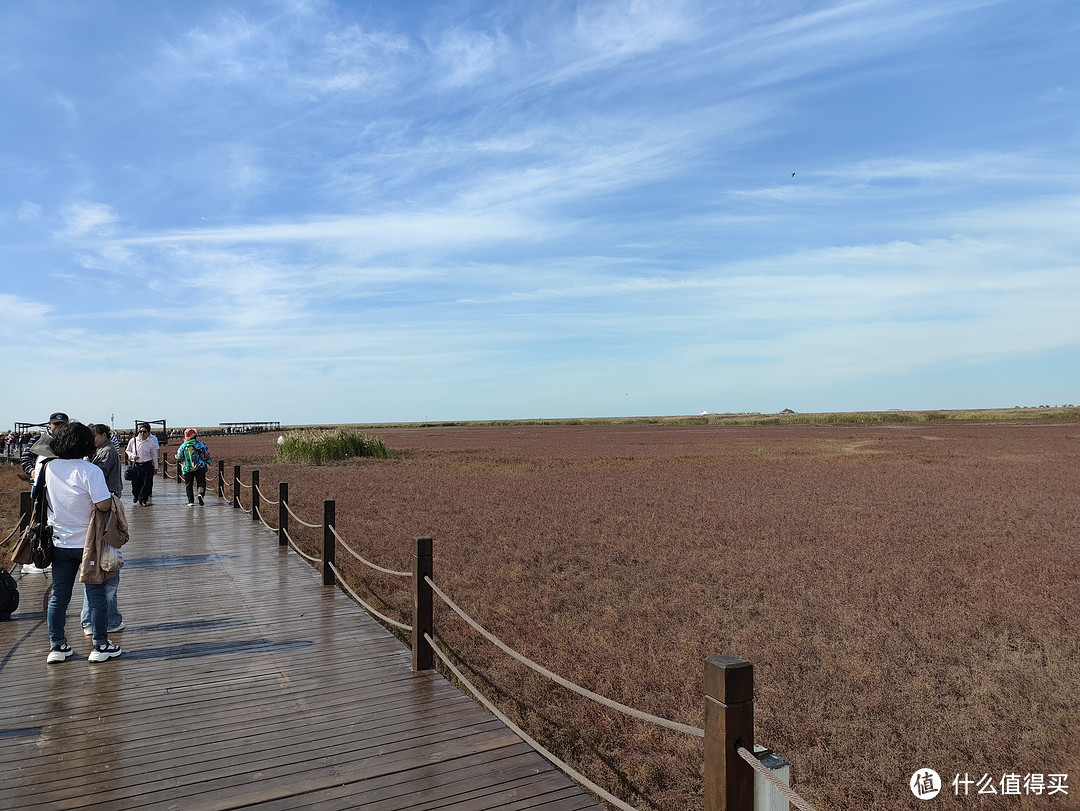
point(731, 759)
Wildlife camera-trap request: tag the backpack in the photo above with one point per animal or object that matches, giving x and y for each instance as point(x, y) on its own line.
point(9, 594)
point(202, 455)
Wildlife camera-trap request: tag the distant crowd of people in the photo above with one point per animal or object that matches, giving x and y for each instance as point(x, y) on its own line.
point(13, 444)
point(80, 468)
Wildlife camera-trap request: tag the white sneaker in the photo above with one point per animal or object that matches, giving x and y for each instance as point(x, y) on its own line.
point(102, 653)
point(59, 653)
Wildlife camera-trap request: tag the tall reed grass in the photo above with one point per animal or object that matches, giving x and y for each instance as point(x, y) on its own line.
point(319, 447)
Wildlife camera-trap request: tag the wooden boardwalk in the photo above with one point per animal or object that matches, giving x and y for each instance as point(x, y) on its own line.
point(244, 683)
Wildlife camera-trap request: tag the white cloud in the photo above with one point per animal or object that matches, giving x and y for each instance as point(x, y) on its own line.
point(28, 212)
point(462, 192)
point(617, 30)
point(466, 56)
point(83, 218)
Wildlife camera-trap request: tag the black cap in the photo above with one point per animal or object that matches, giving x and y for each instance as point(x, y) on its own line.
point(58, 416)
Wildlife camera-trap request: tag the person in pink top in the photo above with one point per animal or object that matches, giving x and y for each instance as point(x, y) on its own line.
point(142, 453)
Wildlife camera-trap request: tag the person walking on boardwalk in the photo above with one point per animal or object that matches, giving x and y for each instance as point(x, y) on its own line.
point(193, 457)
point(41, 448)
point(30, 459)
point(142, 453)
point(108, 459)
point(75, 489)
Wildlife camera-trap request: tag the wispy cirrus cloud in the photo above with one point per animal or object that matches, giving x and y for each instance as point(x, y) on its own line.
point(83, 218)
point(585, 193)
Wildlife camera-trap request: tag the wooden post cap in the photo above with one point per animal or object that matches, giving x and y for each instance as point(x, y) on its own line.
point(729, 679)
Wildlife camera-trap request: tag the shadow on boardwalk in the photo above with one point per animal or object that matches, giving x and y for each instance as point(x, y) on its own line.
point(244, 683)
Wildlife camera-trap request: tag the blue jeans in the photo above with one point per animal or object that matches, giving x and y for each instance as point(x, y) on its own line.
point(115, 617)
point(65, 569)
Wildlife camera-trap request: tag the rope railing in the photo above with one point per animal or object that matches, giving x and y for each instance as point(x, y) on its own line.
point(728, 679)
point(367, 606)
point(490, 707)
point(364, 560)
point(555, 677)
point(309, 558)
point(262, 497)
point(765, 772)
point(15, 531)
point(299, 520)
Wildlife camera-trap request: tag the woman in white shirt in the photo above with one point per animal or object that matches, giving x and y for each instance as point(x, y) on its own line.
point(75, 489)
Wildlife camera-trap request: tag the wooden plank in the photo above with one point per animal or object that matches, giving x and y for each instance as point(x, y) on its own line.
point(244, 683)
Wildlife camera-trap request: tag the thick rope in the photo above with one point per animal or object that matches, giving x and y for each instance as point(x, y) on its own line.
point(299, 551)
point(367, 607)
point(264, 498)
point(18, 526)
point(245, 486)
point(589, 784)
point(569, 685)
point(366, 562)
point(263, 522)
point(299, 519)
point(766, 772)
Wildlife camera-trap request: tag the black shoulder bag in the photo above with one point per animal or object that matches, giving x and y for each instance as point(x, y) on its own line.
point(35, 545)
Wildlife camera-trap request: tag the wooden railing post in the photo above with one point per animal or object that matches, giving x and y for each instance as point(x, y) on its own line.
point(24, 505)
point(729, 722)
point(179, 472)
point(236, 487)
point(221, 479)
point(423, 657)
point(329, 519)
point(283, 514)
point(254, 495)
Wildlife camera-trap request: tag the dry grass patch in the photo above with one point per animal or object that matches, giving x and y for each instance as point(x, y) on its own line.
point(910, 604)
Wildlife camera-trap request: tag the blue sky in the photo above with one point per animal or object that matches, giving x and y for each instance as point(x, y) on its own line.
point(349, 212)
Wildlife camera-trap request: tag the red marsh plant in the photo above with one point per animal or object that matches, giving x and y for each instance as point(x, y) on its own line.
point(906, 593)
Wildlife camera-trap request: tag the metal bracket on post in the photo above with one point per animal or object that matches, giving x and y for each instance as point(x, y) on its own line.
point(729, 722)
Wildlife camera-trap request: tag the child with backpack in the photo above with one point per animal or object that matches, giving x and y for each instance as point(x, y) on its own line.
point(194, 458)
